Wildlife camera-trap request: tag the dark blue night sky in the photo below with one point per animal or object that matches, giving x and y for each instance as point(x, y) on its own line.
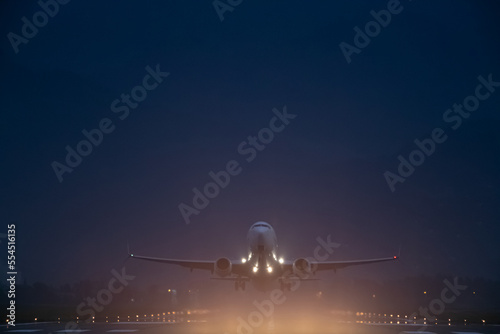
point(323, 173)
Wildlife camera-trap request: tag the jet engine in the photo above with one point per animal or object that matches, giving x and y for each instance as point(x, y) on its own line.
point(302, 267)
point(223, 267)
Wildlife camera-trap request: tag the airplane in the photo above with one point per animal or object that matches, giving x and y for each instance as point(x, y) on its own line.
point(262, 267)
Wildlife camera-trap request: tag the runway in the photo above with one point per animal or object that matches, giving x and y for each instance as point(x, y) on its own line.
point(208, 328)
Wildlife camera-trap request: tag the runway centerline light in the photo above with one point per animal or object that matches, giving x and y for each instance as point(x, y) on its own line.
point(255, 269)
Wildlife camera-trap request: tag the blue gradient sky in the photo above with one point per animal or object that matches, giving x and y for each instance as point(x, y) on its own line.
point(322, 175)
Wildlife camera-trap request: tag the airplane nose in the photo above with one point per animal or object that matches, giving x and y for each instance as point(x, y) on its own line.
point(261, 238)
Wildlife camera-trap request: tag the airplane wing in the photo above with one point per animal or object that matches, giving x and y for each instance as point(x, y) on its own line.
point(204, 265)
point(334, 265)
point(237, 268)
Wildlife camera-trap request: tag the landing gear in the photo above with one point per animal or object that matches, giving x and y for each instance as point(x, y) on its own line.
point(239, 285)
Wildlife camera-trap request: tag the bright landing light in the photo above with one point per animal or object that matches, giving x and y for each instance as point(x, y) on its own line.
point(281, 260)
point(269, 269)
point(243, 260)
point(255, 269)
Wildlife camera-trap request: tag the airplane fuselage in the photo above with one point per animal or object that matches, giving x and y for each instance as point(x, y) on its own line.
point(262, 263)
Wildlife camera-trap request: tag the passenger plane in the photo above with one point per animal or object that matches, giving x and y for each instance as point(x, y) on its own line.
point(262, 267)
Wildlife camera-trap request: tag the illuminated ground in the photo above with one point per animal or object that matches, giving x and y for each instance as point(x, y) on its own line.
point(207, 328)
